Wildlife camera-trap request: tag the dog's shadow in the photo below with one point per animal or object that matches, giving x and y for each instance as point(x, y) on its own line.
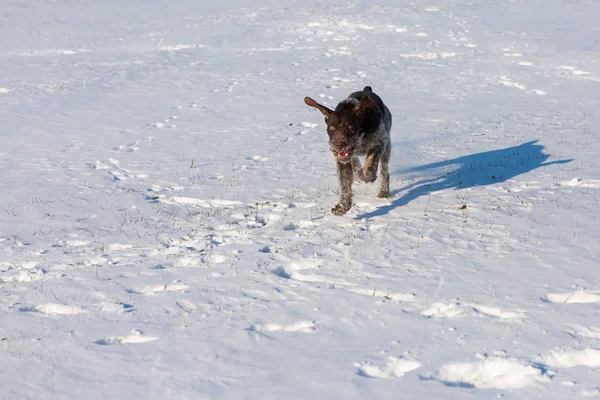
point(479, 169)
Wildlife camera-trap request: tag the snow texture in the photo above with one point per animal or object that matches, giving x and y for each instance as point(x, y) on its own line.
point(492, 373)
point(166, 196)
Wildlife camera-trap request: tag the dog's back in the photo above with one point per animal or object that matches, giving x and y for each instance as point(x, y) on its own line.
point(378, 114)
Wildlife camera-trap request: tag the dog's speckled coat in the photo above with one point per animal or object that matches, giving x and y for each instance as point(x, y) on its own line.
point(359, 126)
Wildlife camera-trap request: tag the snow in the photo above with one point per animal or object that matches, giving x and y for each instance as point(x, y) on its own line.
point(394, 368)
point(136, 337)
point(166, 198)
point(579, 296)
point(572, 358)
point(489, 373)
point(588, 332)
point(300, 326)
point(53, 309)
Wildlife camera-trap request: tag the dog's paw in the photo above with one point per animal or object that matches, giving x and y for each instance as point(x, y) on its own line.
point(383, 194)
point(340, 209)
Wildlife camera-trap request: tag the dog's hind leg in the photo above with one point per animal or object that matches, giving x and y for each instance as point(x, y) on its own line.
point(371, 163)
point(384, 189)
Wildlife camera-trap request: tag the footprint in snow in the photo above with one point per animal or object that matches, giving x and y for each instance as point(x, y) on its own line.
point(112, 167)
point(130, 148)
point(293, 225)
point(394, 368)
point(292, 271)
point(167, 123)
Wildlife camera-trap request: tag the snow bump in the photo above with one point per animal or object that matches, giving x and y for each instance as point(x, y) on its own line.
point(494, 373)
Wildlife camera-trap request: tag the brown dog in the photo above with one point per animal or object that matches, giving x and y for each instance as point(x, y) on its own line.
point(360, 125)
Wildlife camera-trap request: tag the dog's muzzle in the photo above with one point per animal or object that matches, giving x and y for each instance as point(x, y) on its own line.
point(342, 155)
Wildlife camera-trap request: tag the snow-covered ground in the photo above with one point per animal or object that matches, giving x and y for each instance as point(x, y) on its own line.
point(165, 197)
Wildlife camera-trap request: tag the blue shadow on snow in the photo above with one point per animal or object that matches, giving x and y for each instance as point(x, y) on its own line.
point(479, 169)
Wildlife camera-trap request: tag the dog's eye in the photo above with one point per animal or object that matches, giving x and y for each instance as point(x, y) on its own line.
point(349, 126)
point(331, 128)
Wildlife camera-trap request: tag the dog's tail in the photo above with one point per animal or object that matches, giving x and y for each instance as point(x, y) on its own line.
point(368, 89)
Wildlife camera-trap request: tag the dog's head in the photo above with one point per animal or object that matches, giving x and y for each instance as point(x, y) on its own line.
point(344, 125)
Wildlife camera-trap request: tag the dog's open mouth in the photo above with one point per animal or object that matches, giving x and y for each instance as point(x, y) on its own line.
point(342, 154)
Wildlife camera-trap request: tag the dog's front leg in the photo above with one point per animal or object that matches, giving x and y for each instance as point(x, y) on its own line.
point(345, 176)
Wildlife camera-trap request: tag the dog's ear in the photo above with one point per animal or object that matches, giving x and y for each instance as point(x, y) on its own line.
point(310, 102)
point(360, 108)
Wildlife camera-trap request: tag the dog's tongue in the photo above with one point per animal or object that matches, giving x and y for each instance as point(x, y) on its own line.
point(342, 154)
